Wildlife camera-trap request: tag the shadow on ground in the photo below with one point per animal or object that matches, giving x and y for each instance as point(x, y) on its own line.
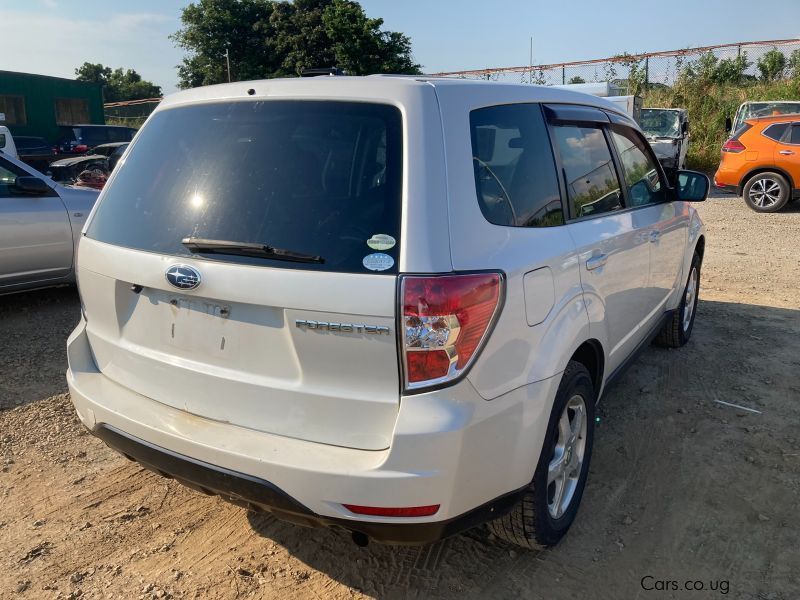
point(681, 486)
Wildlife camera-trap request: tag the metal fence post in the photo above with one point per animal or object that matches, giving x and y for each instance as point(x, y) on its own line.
point(563, 75)
point(646, 72)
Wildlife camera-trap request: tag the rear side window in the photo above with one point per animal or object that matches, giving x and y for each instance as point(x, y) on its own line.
point(589, 172)
point(93, 136)
point(317, 178)
point(794, 137)
point(775, 132)
point(515, 173)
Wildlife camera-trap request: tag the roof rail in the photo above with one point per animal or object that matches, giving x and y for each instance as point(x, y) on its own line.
point(318, 71)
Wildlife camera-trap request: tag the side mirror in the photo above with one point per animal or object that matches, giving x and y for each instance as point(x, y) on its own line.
point(685, 128)
point(692, 186)
point(32, 186)
point(728, 124)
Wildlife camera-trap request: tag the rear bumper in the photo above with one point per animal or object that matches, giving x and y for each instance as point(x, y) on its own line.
point(449, 447)
point(263, 496)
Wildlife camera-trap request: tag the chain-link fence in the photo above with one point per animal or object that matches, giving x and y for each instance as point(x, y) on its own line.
point(633, 73)
point(131, 113)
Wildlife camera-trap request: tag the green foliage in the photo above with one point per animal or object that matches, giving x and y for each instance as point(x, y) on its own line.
point(576, 79)
point(772, 65)
point(709, 103)
point(271, 38)
point(118, 84)
point(710, 69)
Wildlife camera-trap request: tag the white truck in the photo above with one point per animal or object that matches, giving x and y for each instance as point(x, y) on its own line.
point(630, 105)
point(667, 131)
point(7, 145)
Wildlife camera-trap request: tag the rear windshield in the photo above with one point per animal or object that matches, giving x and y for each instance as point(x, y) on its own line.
point(313, 177)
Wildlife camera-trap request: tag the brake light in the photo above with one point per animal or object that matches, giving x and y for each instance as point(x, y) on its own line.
point(445, 322)
point(733, 145)
point(81, 148)
point(404, 511)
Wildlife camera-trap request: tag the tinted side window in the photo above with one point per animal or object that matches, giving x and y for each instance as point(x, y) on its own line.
point(775, 132)
point(589, 172)
point(640, 170)
point(795, 135)
point(515, 174)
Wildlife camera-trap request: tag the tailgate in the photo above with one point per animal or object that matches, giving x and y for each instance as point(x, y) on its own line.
point(237, 354)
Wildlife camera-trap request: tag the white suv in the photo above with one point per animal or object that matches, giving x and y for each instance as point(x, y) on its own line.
point(387, 304)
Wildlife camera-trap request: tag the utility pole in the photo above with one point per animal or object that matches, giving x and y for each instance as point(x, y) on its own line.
point(530, 64)
point(228, 63)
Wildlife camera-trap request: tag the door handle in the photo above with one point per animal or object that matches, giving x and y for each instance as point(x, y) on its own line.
point(596, 261)
point(786, 152)
point(655, 235)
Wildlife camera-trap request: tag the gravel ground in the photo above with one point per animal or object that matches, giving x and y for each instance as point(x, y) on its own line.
point(681, 487)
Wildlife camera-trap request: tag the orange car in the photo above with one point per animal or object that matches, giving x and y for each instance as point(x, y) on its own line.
point(761, 162)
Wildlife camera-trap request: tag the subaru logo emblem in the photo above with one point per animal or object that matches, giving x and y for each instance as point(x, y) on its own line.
point(183, 277)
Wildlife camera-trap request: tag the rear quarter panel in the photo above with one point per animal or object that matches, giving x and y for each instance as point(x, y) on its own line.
point(519, 350)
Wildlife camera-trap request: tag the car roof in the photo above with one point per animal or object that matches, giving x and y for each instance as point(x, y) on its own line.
point(768, 120)
point(386, 87)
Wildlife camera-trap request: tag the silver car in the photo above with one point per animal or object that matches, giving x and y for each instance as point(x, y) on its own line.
point(40, 224)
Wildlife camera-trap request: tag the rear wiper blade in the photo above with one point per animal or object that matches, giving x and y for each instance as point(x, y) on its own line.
point(197, 245)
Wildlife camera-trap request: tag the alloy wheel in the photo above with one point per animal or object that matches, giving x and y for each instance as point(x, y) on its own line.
point(565, 466)
point(765, 193)
point(689, 299)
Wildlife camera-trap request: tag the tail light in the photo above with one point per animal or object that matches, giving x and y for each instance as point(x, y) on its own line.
point(446, 320)
point(733, 145)
point(81, 148)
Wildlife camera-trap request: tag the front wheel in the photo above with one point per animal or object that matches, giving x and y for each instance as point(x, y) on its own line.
point(678, 329)
point(549, 506)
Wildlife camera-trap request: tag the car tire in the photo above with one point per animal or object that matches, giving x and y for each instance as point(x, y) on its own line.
point(678, 328)
point(767, 192)
point(537, 520)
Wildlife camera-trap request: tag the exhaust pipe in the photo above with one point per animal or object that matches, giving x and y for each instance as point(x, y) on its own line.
point(360, 539)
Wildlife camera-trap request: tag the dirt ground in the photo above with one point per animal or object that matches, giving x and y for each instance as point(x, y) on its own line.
point(682, 488)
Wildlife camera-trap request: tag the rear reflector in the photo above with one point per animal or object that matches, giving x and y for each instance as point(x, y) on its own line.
point(733, 145)
point(445, 322)
point(405, 511)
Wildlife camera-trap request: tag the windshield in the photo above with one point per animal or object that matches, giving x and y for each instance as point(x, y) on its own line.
point(661, 123)
point(318, 178)
point(753, 110)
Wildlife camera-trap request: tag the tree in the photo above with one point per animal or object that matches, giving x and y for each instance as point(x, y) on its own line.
point(118, 84)
point(772, 65)
point(270, 38)
point(576, 79)
point(794, 64)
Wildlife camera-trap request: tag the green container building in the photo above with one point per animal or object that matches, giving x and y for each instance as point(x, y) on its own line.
point(38, 105)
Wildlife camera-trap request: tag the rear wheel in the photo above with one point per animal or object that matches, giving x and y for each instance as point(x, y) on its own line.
point(549, 506)
point(767, 192)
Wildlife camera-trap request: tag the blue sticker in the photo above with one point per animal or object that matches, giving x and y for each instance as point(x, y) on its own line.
point(378, 261)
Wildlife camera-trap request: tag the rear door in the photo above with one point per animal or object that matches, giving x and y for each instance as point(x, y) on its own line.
point(35, 233)
point(612, 242)
point(301, 344)
point(787, 151)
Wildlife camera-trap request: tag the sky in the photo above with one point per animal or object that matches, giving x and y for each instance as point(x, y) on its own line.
point(53, 37)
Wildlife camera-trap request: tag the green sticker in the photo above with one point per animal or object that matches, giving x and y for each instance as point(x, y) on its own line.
point(381, 241)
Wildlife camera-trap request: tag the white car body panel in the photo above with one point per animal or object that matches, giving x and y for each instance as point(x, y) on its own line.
point(323, 415)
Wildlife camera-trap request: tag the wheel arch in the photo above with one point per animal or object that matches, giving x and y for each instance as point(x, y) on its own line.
point(700, 247)
point(590, 354)
point(758, 170)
